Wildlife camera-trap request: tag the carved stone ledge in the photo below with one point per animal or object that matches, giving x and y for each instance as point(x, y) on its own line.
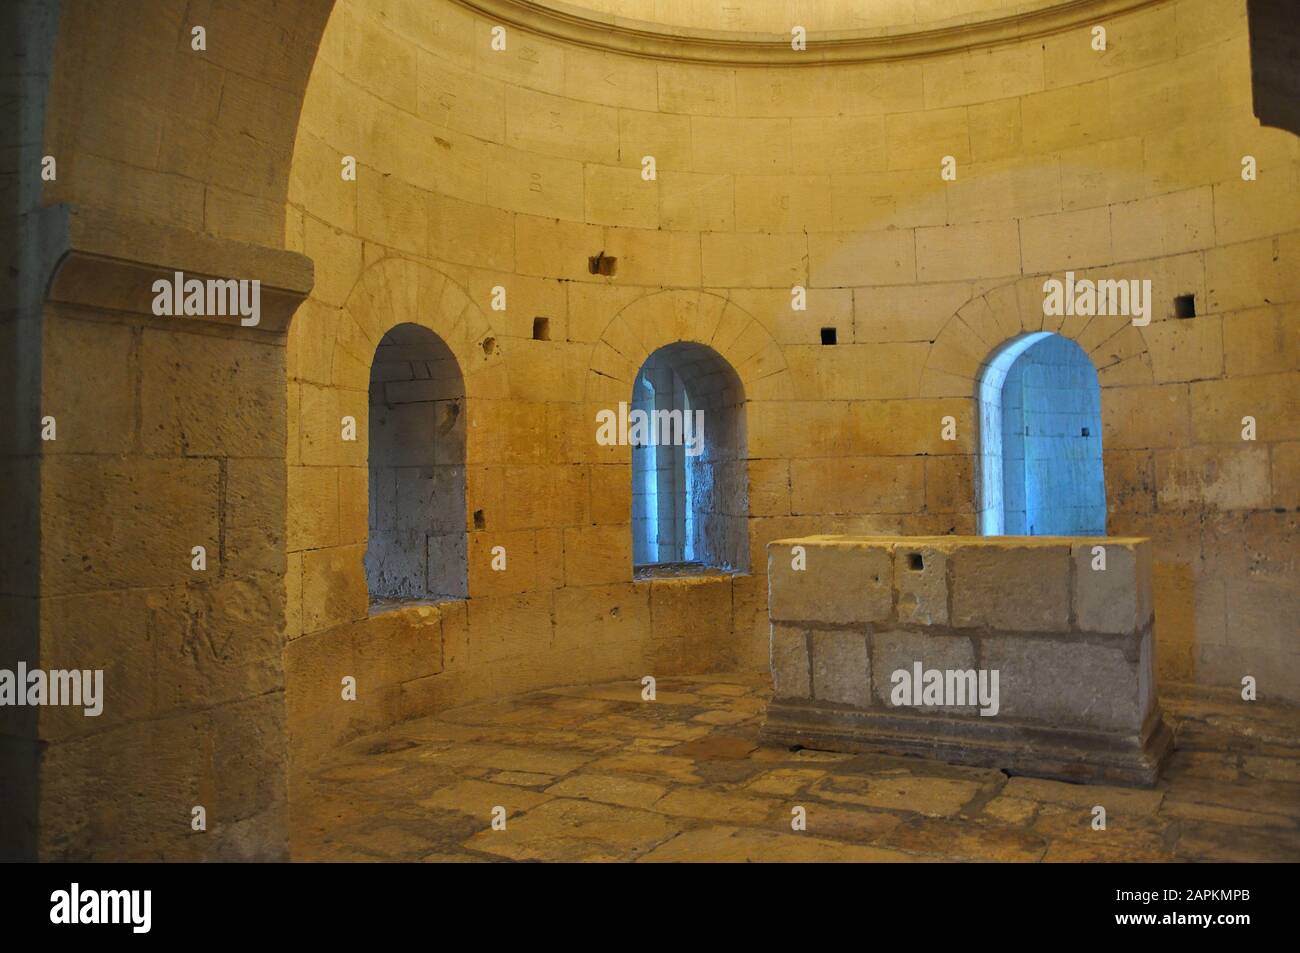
point(614, 34)
point(110, 261)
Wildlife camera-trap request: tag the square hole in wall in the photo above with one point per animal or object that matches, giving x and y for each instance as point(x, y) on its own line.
point(479, 521)
point(915, 562)
point(601, 264)
point(541, 329)
point(828, 335)
point(1085, 432)
point(1185, 306)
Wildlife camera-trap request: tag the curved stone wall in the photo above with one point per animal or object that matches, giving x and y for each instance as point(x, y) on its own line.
point(513, 168)
point(481, 169)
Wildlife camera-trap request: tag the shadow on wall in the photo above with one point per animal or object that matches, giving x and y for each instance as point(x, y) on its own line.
point(1275, 62)
point(1040, 440)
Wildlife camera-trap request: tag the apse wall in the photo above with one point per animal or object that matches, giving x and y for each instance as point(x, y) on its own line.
point(480, 169)
point(175, 433)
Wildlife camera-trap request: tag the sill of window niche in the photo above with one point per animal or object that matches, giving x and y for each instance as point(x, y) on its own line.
point(386, 606)
point(684, 570)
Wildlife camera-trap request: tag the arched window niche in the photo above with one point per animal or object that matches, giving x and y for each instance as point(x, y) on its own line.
point(690, 499)
point(416, 549)
point(1040, 440)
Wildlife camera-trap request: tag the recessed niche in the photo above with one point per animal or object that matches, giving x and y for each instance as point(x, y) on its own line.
point(1185, 306)
point(828, 335)
point(541, 329)
point(915, 562)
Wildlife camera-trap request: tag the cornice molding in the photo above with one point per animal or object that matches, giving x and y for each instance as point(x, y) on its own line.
point(108, 261)
point(636, 38)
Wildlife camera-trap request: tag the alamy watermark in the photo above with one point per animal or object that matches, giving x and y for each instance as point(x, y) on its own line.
point(75, 906)
point(1126, 297)
point(75, 687)
point(211, 297)
point(947, 688)
point(655, 428)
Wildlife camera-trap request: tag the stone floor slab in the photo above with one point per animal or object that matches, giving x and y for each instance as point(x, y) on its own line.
point(594, 773)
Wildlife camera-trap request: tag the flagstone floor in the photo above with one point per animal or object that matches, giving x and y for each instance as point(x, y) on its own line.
point(592, 773)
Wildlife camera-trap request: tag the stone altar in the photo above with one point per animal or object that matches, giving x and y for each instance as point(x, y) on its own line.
point(1033, 655)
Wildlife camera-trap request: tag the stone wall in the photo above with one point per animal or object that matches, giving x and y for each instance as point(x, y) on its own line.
point(514, 168)
point(480, 169)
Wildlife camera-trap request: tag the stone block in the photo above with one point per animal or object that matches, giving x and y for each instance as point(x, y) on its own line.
point(1116, 599)
point(791, 677)
point(1186, 350)
point(955, 252)
point(653, 257)
point(398, 645)
point(1218, 406)
point(838, 143)
point(619, 196)
point(109, 522)
point(1286, 475)
point(1099, 687)
point(899, 650)
point(754, 260)
point(333, 587)
point(590, 616)
point(555, 125)
point(87, 386)
point(1064, 240)
point(485, 579)
point(211, 396)
point(841, 673)
point(1225, 478)
point(696, 201)
point(321, 414)
point(698, 612)
point(314, 668)
point(919, 140)
point(843, 260)
point(665, 136)
point(595, 555)
point(921, 582)
point(1139, 418)
point(1066, 117)
point(852, 485)
point(1017, 586)
point(746, 145)
point(313, 508)
point(949, 484)
point(844, 581)
point(983, 75)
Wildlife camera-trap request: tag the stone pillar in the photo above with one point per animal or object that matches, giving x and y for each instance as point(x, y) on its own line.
point(170, 436)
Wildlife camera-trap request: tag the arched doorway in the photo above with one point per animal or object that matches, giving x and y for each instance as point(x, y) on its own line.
point(686, 428)
point(1040, 440)
point(416, 545)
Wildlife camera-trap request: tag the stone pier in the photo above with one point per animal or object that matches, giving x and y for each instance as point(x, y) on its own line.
point(1033, 655)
